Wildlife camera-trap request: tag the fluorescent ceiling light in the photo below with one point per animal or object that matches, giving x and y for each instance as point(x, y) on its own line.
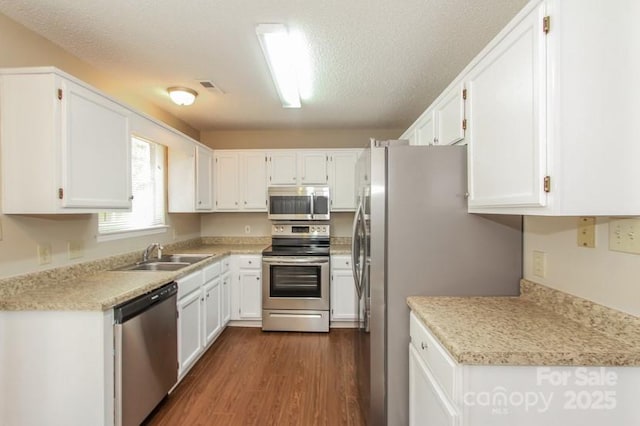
point(280, 52)
point(182, 95)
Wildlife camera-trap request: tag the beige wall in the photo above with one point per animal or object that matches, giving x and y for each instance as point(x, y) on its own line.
point(598, 274)
point(19, 234)
point(233, 224)
point(295, 138)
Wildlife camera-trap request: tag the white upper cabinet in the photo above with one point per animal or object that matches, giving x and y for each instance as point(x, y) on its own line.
point(283, 168)
point(552, 113)
point(313, 168)
point(65, 146)
point(342, 179)
point(297, 167)
point(227, 182)
point(425, 133)
point(505, 116)
point(449, 112)
point(190, 174)
point(443, 122)
point(241, 181)
point(253, 180)
point(204, 178)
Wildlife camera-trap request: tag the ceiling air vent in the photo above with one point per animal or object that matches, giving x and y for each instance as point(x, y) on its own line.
point(208, 84)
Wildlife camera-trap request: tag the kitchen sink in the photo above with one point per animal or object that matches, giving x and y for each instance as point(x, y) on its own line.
point(155, 266)
point(186, 258)
point(169, 262)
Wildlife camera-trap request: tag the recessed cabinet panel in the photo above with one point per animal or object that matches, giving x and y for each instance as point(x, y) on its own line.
point(283, 168)
point(426, 130)
point(250, 294)
point(342, 176)
point(450, 117)
point(227, 183)
point(313, 168)
point(204, 178)
point(254, 183)
point(506, 116)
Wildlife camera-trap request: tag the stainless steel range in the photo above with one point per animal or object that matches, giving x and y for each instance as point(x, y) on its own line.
point(295, 278)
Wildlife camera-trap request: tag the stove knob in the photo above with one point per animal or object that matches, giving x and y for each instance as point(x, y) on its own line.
point(313, 229)
point(324, 229)
point(282, 229)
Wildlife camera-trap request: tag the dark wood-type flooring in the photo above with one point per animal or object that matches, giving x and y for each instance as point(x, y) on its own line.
point(251, 377)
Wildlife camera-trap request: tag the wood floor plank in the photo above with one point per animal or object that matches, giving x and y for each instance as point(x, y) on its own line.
point(250, 377)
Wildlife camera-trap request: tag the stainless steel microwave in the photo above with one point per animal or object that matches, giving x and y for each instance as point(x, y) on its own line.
point(299, 203)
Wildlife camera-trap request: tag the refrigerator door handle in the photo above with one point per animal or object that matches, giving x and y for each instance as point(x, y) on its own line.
point(354, 255)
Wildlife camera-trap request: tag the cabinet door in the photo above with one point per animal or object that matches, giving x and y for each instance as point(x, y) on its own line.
point(204, 178)
point(250, 295)
point(283, 168)
point(427, 403)
point(344, 301)
point(313, 168)
point(506, 119)
point(189, 329)
point(96, 150)
point(225, 299)
point(450, 117)
point(342, 177)
point(212, 319)
point(426, 130)
point(254, 181)
point(226, 181)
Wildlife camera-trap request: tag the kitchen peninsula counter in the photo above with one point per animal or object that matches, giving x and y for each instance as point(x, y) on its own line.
point(541, 327)
point(93, 286)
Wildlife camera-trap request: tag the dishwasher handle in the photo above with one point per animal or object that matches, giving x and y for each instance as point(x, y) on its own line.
point(135, 307)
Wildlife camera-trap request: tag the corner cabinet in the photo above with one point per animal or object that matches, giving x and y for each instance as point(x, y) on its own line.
point(65, 146)
point(190, 177)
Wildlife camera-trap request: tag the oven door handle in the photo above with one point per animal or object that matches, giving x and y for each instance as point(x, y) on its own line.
point(311, 261)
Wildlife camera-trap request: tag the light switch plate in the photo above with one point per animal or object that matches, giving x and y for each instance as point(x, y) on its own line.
point(44, 253)
point(539, 263)
point(587, 231)
point(624, 235)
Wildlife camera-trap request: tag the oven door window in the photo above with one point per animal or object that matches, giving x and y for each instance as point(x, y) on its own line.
point(300, 204)
point(295, 281)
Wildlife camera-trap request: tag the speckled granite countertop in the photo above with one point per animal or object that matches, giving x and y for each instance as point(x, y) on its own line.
point(541, 327)
point(103, 289)
point(340, 249)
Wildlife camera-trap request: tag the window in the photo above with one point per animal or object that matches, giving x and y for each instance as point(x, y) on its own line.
point(147, 181)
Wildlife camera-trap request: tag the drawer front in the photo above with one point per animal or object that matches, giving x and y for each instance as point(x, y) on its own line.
point(212, 271)
point(436, 357)
point(341, 262)
point(189, 283)
point(250, 262)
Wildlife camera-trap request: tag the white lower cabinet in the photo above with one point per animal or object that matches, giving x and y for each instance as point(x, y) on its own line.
point(246, 288)
point(344, 300)
point(444, 392)
point(226, 298)
point(201, 305)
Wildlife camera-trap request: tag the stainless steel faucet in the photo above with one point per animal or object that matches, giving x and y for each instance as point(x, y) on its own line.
point(147, 252)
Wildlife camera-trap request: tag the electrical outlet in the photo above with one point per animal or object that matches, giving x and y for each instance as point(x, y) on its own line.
point(587, 231)
point(44, 253)
point(75, 249)
point(247, 229)
point(624, 235)
point(539, 263)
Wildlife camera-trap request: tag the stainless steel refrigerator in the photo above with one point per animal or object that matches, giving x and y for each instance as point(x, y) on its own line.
point(413, 236)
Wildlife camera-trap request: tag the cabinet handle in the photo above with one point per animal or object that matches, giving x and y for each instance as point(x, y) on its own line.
point(236, 203)
point(199, 202)
point(346, 263)
point(245, 203)
point(424, 346)
point(258, 278)
point(130, 197)
point(249, 262)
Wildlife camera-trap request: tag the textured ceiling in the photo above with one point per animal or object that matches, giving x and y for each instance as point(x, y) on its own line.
point(376, 63)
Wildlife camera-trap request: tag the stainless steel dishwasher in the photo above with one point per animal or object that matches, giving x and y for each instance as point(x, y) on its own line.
point(146, 353)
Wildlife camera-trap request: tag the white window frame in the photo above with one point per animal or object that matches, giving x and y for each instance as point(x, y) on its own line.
point(125, 224)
